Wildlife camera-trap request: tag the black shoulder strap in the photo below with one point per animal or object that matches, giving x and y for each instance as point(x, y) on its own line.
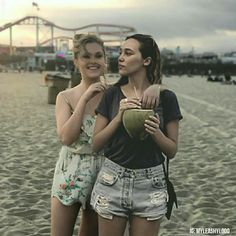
point(166, 169)
point(171, 191)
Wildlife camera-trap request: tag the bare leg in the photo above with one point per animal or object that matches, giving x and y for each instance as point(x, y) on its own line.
point(127, 230)
point(114, 227)
point(141, 226)
point(63, 218)
point(89, 223)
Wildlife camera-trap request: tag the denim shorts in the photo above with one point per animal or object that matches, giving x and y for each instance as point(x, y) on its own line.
point(123, 192)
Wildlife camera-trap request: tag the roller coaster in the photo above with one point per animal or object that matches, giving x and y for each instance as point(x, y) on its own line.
point(118, 32)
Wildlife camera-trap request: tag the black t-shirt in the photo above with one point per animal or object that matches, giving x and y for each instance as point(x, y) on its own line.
point(134, 153)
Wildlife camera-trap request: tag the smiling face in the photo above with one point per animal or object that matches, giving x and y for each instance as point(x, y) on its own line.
point(91, 61)
point(130, 59)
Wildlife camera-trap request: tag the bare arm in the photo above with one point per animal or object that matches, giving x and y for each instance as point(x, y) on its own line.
point(69, 125)
point(150, 98)
point(104, 130)
point(168, 143)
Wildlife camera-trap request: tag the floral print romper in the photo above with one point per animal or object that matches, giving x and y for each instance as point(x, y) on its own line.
point(77, 168)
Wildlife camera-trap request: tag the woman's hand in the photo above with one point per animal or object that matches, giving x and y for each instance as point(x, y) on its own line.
point(105, 129)
point(152, 124)
point(128, 103)
point(150, 98)
point(94, 89)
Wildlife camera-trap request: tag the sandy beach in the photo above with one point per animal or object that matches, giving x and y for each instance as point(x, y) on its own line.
point(203, 171)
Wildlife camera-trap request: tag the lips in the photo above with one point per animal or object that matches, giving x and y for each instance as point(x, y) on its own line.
point(93, 67)
point(121, 67)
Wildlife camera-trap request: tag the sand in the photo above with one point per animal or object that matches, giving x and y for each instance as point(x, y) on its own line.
point(203, 171)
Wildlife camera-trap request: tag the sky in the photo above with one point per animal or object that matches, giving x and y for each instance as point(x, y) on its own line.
point(199, 25)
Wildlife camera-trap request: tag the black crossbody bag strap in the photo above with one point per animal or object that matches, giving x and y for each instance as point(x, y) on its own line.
point(172, 198)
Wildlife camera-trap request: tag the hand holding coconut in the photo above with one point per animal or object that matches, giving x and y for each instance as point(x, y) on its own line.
point(152, 124)
point(128, 103)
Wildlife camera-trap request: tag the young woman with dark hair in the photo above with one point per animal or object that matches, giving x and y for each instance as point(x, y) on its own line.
point(131, 184)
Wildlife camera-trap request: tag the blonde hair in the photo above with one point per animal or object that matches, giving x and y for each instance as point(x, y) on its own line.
point(80, 41)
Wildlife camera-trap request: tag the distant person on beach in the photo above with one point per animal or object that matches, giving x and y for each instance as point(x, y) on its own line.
point(19, 69)
point(77, 167)
point(131, 184)
point(228, 79)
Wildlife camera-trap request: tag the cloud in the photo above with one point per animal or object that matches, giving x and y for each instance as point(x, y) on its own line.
point(202, 24)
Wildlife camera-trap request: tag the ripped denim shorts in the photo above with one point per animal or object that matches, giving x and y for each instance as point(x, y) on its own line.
point(124, 192)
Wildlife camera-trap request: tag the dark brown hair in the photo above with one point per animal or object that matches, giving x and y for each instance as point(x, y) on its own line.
point(148, 48)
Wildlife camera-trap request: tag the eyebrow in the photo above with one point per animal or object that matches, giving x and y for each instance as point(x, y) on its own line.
point(127, 49)
point(87, 52)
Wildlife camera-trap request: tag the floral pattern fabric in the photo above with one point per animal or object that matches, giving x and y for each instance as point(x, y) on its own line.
point(77, 168)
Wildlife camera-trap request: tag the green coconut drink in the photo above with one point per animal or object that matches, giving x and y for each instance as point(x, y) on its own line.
point(133, 120)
